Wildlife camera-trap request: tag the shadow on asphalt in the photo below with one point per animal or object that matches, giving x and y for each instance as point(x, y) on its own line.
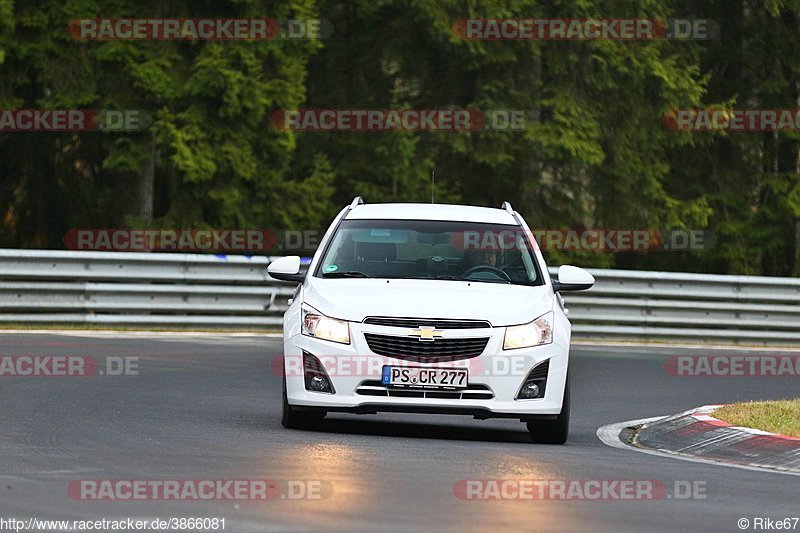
point(384, 428)
point(371, 425)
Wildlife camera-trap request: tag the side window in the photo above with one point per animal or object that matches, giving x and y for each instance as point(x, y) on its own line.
point(527, 260)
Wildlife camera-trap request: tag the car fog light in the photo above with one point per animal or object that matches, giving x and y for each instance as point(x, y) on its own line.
point(530, 390)
point(315, 377)
point(319, 383)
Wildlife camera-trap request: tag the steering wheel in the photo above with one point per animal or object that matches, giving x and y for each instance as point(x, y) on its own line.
point(487, 268)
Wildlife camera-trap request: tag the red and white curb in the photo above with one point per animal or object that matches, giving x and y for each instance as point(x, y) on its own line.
point(697, 436)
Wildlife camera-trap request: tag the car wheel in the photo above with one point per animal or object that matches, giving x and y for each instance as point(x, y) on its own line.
point(294, 419)
point(553, 431)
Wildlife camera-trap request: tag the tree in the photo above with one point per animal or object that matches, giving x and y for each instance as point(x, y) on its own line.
point(209, 156)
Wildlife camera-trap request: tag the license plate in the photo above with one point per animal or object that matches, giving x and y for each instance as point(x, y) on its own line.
point(412, 376)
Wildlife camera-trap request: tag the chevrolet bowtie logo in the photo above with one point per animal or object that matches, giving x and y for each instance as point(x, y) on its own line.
point(426, 333)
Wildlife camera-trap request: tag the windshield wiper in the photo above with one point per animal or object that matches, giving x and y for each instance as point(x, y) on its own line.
point(345, 274)
point(438, 276)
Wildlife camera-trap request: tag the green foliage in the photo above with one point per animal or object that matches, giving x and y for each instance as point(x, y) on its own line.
point(594, 152)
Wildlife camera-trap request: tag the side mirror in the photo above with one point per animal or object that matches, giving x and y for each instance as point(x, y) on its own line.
point(286, 269)
point(572, 278)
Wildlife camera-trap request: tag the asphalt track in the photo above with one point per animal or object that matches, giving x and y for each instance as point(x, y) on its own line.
point(208, 407)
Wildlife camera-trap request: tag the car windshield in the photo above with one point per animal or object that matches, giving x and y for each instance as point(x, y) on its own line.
point(430, 249)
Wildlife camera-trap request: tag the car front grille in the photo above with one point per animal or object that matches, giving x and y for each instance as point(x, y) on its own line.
point(412, 349)
point(438, 323)
point(472, 392)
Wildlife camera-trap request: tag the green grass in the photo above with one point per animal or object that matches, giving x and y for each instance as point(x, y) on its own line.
point(782, 416)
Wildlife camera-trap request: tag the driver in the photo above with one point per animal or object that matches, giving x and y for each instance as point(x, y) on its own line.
point(473, 258)
point(489, 258)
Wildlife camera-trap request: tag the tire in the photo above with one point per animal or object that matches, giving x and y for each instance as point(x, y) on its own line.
point(294, 419)
point(553, 431)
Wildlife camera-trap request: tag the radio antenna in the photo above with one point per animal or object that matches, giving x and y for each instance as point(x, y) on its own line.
point(433, 182)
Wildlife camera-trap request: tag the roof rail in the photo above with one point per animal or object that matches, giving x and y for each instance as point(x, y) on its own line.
point(356, 201)
point(507, 207)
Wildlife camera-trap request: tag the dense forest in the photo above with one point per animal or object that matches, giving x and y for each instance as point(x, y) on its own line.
point(595, 151)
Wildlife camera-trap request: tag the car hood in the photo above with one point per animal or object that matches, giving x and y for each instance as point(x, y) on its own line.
point(355, 299)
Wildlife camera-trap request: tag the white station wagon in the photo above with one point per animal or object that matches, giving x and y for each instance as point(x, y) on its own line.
point(428, 308)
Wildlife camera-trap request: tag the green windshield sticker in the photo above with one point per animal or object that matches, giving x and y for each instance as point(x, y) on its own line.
point(331, 268)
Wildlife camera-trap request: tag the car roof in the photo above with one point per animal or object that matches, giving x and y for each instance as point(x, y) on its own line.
point(407, 211)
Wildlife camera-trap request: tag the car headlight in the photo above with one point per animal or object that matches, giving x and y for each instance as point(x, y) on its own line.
point(315, 324)
point(535, 333)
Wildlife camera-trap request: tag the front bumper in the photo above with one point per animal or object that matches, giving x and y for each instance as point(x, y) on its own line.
point(501, 372)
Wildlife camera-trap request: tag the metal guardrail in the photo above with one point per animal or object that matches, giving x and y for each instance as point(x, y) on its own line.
point(640, 305)
point(235, 291)
point(136, 288)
